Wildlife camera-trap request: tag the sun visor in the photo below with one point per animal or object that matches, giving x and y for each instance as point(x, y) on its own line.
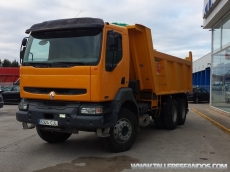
point(71, 23)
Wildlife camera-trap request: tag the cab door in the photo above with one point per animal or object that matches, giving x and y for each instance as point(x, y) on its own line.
point(115, 74)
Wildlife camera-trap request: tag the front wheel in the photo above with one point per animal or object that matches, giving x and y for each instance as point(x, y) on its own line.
point(52, 137)
point(123, 134)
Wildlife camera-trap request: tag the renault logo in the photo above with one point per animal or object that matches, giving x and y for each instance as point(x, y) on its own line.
point(51, 95)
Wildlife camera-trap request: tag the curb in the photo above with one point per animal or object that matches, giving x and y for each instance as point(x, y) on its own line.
point(223, 128)
point(222, 112)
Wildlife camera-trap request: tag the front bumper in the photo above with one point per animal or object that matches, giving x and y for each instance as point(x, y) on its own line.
point(72, 121)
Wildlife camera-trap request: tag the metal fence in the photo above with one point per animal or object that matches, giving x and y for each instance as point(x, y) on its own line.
point(5, 84)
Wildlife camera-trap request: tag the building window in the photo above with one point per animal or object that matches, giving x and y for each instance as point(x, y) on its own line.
point(216, 35)
point(220, 79)
point(113, 49)
point(226, 31)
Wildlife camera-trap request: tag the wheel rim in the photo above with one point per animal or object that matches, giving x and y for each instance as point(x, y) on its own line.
point(122, 130)
point(174, 113)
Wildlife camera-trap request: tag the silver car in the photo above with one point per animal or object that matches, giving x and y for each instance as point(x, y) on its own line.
point(227, 96)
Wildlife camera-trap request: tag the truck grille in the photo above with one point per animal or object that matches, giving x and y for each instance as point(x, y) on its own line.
point(59, 91)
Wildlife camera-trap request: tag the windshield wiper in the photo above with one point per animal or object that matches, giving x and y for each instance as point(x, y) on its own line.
point(53, 64)
point(36, 64)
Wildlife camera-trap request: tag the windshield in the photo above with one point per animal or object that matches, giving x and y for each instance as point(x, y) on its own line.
point(76, 47)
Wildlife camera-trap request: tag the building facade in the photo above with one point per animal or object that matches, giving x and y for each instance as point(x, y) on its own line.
point(201, 72)
point(216, 18)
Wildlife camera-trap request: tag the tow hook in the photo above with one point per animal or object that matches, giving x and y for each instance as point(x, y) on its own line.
point(27, 125)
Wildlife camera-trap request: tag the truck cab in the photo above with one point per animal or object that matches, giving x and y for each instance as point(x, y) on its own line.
point(74, 60)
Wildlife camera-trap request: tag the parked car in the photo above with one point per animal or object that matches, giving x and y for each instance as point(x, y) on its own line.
point(198, 94)
point(13, 95)
point(1, 101)
point(227, 97)
point(7, 88)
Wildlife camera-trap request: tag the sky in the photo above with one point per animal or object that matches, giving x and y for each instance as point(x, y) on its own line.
point(175, 25)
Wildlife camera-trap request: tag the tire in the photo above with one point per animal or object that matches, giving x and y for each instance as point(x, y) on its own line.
point(52, 137)
point(182, 111)
point(170, 115)
point(196, 100)
point(123, 134)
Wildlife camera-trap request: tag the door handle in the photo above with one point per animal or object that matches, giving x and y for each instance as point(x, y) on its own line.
point(123, 80)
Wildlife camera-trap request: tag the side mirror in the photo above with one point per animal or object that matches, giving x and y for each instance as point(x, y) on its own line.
point(22, 52)
point(23, 49)
point(24, 41)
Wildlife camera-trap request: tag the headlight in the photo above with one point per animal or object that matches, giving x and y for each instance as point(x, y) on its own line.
point(23, 105)
point(91, 110)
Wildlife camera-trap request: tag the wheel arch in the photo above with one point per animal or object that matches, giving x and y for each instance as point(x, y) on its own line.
point(130, 105)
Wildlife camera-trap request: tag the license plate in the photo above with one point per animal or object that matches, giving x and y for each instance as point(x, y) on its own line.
point(47, 122)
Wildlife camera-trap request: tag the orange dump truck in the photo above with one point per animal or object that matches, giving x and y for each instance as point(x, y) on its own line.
point(84, 74)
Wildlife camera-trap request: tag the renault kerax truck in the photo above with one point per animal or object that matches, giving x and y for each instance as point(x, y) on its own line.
point(84, 74)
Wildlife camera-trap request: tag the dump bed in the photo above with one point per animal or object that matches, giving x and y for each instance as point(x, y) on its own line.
point(158, 73)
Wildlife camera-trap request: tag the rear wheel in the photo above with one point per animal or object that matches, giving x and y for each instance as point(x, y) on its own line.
point(123, 134)
point(52, 137)
point(170, 114)
point(182, 111)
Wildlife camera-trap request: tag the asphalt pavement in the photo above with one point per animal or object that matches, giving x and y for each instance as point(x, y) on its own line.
point(197, 141)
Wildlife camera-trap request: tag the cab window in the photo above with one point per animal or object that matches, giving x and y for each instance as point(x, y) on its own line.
point(113, 50)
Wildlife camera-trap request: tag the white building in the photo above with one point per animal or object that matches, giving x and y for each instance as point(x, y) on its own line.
point(216, 17)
